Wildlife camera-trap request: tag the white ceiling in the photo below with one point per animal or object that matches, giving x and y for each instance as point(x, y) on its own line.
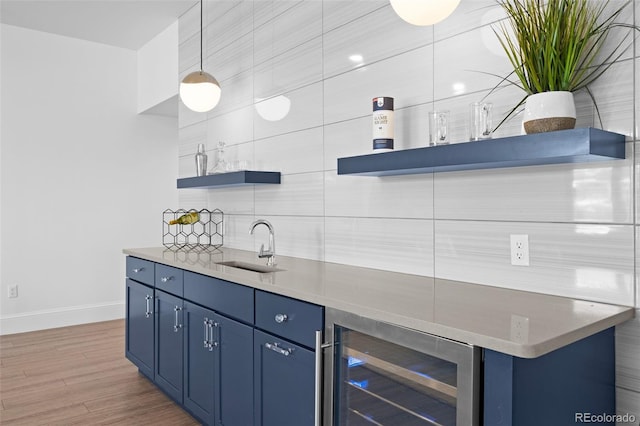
point(123, 23)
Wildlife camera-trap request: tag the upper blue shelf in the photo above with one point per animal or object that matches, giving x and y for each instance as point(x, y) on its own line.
point(565, 146)
point(243, 177)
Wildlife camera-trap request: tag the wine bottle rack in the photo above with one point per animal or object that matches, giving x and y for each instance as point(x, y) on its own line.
point(204, 235)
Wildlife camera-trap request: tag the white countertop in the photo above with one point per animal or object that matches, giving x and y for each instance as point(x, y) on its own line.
point(514, 322)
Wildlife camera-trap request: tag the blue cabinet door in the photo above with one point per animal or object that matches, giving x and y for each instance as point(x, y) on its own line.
point(218, 368)
point(234, 367)
point(139, 327)
point(284, 382)
point(169, 344)
point(199, 353)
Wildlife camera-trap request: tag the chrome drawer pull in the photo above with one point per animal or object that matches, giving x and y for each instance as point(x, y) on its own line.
point(212, 344)
point(282, 351)
point(176, 326)
point(148, 312)
point(136, 270)
point(280, 318)
point(206, 333)
point(165, 279)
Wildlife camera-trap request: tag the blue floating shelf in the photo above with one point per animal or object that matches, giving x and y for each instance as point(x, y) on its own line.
point(565, 146)
point(244, 177)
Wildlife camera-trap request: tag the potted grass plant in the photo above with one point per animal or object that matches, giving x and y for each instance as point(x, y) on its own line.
point(556, 48)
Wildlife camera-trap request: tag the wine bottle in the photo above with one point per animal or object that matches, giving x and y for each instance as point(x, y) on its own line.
point(186, 219)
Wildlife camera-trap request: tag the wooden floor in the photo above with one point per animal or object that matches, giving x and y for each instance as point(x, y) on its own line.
point(78, 376)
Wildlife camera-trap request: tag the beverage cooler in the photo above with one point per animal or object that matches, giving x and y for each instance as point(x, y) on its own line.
point(381, 374)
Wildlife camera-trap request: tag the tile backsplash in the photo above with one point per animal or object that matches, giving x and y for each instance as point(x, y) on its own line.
point(330, 58)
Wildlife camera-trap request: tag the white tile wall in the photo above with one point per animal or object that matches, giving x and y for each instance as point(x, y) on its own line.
point(628, 355)
point(305, 113)
point(401, 245)
point(474, 16)
point(374, 37)
point(582, 219)
point(274, 76)
point(288, 30)
point(587, 261)
point(353, 196)
point(637, 87)
point(277, 152)
point(350, 95)
point(336, 13)
point(477, 58)
point(628, 368)
point(589, 193)
point(300, 236)
point(614, 98)
point(298, 195)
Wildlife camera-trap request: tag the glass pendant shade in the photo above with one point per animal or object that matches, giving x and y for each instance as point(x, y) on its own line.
point(200, 91)
point(424, 12)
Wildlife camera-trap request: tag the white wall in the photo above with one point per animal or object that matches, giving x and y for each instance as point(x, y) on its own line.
point(581, 218)
point(158, 71)
point(83, 176)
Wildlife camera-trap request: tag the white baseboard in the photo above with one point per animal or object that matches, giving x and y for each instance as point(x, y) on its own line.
point(54, 318)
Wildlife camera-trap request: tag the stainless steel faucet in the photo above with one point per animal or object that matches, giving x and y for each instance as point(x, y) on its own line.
point(270, 254)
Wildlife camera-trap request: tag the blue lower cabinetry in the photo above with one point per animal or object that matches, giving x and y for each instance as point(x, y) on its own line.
point(139, 330)
point(199, 377)
point(169, 344)
point(225, 353)
point(284, 382)
point(218, 368)
point(234, 367)
point(559, 388)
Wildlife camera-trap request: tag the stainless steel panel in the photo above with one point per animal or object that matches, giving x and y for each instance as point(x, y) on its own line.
point(460, 393)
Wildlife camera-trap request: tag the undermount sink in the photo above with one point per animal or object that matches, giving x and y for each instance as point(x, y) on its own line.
point(249, 266)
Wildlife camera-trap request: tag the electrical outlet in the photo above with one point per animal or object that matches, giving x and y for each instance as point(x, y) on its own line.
point(520, 249)
point(13, 291)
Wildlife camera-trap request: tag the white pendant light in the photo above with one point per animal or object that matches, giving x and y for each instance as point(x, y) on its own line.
point(200, 91)
point(424, 12)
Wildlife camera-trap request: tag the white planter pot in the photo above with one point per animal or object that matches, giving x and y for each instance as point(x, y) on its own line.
point(549, 111)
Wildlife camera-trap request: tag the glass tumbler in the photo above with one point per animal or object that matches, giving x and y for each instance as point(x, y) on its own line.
point(480, 121)
point(438, 128)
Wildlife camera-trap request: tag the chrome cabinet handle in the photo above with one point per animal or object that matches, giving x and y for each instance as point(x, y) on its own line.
point(213, 343)
point(280, 318)
point(206, 333)
point(276, 348)
point(176, 325)
point(148, 312)
point(209, 342)
point(165, 279)
point(136, 270)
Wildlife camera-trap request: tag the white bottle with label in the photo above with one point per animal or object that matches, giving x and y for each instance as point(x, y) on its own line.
point(382, 124)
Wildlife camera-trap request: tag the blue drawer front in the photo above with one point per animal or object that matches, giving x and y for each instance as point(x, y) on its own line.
point(289, 318)
point(169, 279)
point(140, 270)
point(225, 297)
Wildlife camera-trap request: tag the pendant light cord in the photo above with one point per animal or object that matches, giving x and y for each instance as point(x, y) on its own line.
point(201, 36)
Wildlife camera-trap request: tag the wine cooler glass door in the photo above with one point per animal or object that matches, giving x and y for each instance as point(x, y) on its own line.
point(393, 376)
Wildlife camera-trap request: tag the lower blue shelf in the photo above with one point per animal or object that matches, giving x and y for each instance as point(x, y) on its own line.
point(243, 177)
point(565, 146)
